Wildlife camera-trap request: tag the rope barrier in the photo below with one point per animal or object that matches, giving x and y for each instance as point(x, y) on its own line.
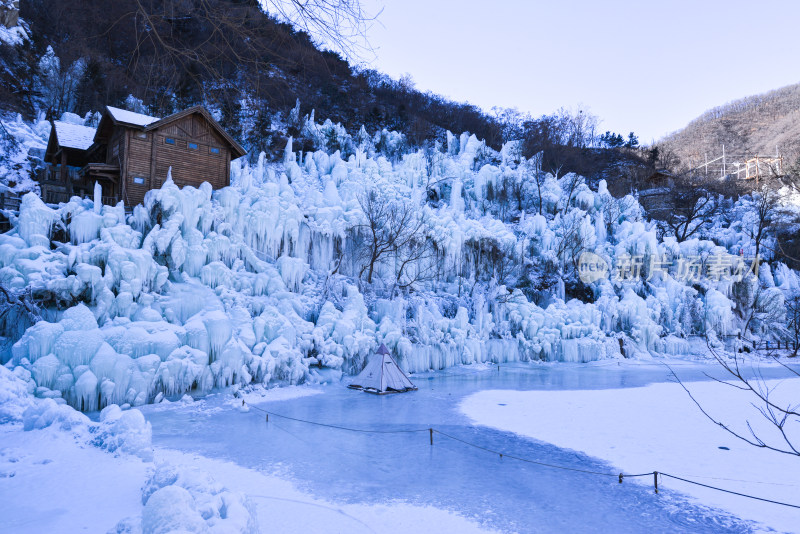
point(731, 492)
point(620, 476)
point(504, 455)
point(431, 431)
point(409, 431)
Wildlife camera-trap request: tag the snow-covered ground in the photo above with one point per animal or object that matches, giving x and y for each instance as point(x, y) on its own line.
point(56, 477)
point(50, 483)
point(281, 507)
point(213, 466)
point(658, 427)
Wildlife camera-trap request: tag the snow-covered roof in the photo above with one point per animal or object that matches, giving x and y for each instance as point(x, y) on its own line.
point(129, 117)
point(74, 135)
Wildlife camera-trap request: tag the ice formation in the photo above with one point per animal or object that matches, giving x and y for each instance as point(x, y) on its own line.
point(258, 282)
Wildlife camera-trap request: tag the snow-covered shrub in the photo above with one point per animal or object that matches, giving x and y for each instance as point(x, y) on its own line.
point(125, 431)
point(189, 500)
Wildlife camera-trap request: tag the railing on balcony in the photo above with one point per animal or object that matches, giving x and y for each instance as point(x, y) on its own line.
point(51, 196)
point(52, 173)
point(9, 201)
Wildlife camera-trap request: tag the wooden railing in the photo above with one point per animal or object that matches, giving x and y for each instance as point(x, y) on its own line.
point(52, 173)
point(50, 196)
point(9, 202)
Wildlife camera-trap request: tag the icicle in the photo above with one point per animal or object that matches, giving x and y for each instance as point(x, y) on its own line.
point(600, 227)
point(98, 197)
point(456, 202)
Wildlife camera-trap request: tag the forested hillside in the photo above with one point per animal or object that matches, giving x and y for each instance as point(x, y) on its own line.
point(227, 54)
point(758, 124)
point(251, 71)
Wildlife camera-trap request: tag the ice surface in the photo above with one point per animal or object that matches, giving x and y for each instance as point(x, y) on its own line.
point(680, 440)
point(500, 493)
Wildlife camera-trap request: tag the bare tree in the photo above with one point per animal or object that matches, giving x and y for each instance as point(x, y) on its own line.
point(793, 321)
point(783, 417)
point(166, 49)
point(570, 186)
point(571, 239)
point(391, 225)
point(415, 263)
point(18, 311)
point(339, 24)
point(691, 209)
point(766, 206)
point(534, 165)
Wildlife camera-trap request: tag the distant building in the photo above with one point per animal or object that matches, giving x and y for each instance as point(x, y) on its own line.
point(130, 153)
point(659, 178)
point(656, 191)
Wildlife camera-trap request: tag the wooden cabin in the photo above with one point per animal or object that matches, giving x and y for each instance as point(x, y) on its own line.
point(131, 153)
point(66, 155)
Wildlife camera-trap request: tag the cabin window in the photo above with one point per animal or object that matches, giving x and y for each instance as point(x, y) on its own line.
point(138, 180)
point(193, 146)
point(213, 150)
point(141, 135)
point(169, 140)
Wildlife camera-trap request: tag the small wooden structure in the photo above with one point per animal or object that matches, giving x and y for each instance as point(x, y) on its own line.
point(130, 153)
point(758, 167)
point(66, 154)
point(659, 178)
point(742, 166)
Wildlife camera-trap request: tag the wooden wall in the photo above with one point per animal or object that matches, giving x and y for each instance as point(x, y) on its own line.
point(137, 166)
point(115, 153)
point(150, 157)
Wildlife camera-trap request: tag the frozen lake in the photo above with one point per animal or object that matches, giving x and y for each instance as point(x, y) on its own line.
point(508, 495)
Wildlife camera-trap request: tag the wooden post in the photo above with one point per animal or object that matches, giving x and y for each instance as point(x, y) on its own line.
point(655, 480)
point(723, 161)
point(430, 430)
point(123, 164)
point(758, 170)
point(227, 167)
point(153, 151)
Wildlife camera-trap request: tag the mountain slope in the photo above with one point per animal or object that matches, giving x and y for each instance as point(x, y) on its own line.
point(758, 124)
point(226, 54)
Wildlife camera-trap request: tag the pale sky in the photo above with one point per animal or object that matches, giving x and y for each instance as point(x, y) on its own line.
point(645, 66)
